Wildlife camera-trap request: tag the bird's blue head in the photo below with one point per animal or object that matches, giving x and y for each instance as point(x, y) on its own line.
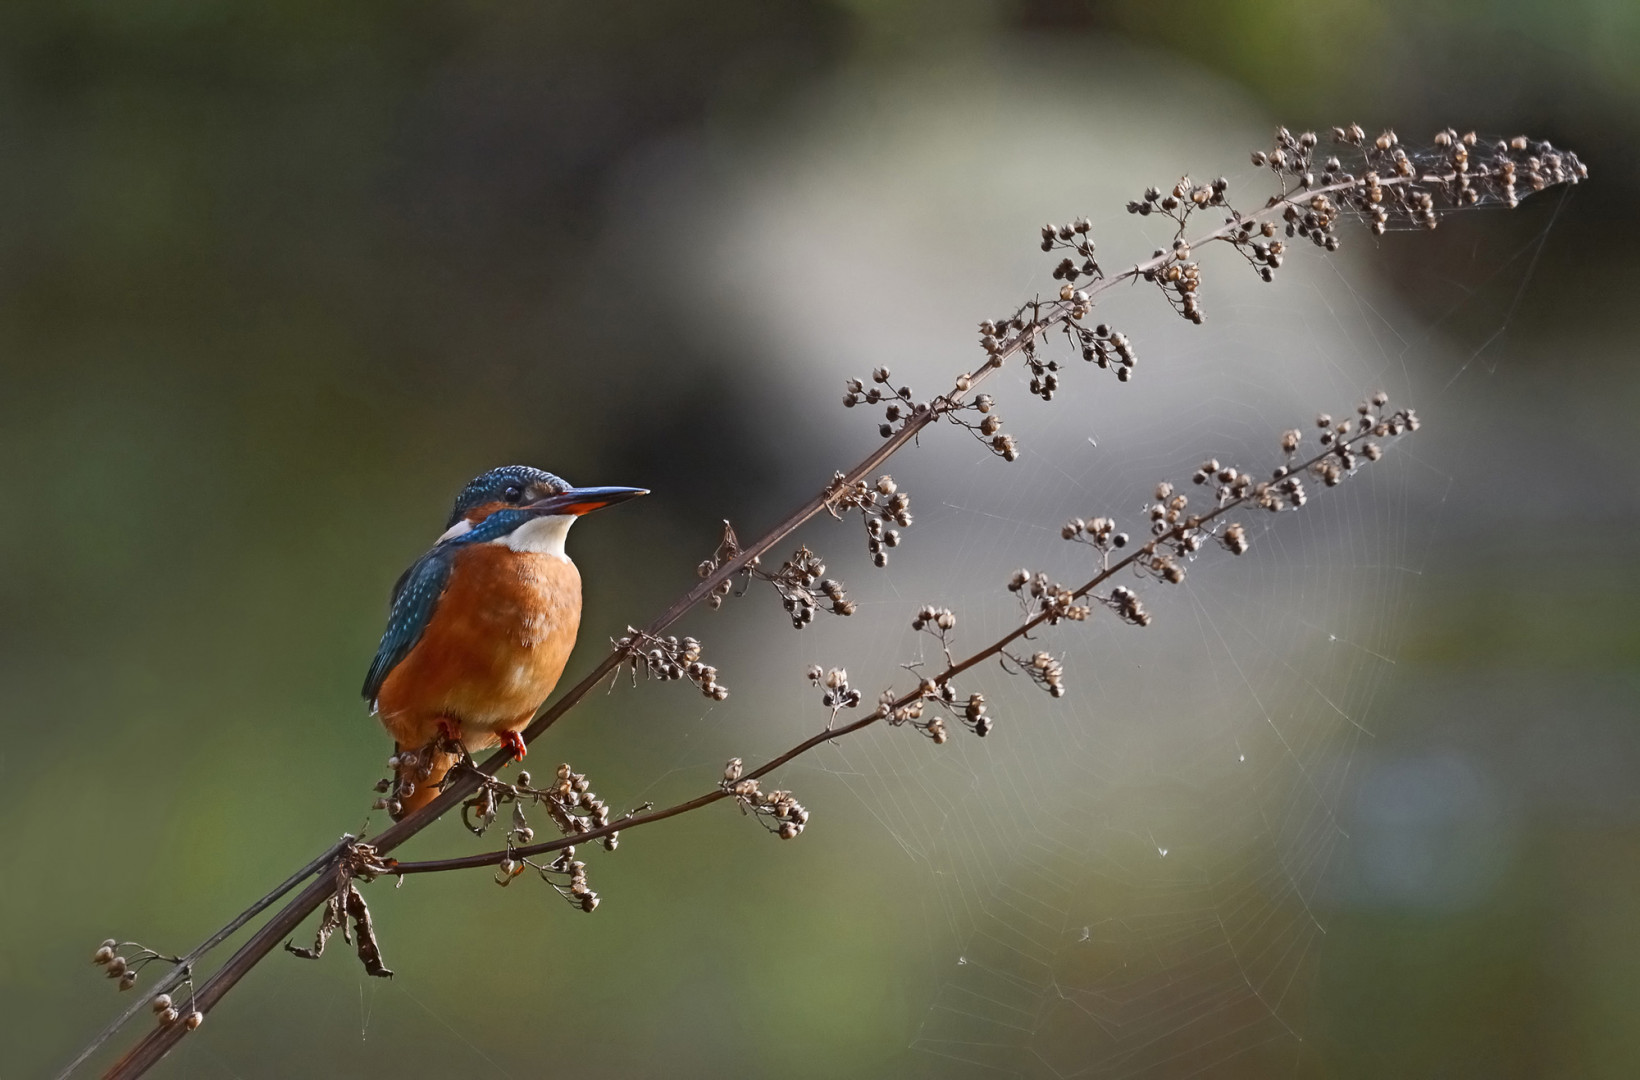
point(527, 507)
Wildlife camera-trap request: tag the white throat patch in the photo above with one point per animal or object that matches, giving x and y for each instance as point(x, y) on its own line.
point(540, 536)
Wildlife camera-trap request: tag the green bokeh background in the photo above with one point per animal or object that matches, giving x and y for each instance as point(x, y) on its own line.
point(276, 278)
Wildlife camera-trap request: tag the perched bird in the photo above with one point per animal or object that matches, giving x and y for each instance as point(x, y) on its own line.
point(482, 625)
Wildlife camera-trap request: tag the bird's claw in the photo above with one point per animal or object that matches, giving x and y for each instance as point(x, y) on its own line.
point(514, 742)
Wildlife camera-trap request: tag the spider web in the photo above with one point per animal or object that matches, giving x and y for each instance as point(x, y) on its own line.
point(1130, 881)
point(1128, 876)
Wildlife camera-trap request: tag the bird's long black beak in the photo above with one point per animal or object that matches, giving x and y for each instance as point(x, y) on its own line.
point(578, 501)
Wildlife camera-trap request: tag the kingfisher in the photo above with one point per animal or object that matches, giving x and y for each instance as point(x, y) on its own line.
point(480, 627)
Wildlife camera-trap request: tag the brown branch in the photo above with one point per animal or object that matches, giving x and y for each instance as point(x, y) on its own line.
point(1044, 317)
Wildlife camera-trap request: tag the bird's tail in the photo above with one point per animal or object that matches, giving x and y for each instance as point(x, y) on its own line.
point(421, 777)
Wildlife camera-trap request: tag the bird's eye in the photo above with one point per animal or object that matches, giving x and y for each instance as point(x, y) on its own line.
point(513, 493)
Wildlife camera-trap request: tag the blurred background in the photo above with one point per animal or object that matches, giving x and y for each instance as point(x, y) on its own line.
point(276, 279)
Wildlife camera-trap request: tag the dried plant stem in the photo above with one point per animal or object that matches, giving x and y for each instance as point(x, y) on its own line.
point(183, 970)
point(1044, 316)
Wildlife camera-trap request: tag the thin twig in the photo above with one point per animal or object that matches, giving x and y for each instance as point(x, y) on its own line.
point(184, 968)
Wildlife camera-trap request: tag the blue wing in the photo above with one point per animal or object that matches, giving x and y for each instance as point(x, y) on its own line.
point(416, 595)
point(415, 598)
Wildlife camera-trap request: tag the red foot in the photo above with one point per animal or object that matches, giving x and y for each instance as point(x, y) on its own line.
point(449, 731)
point(513, 741)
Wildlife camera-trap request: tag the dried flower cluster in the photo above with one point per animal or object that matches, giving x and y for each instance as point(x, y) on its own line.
point(881, 506)
point(167, 1013)
point(1176, 273)
point(575, 809)
point(727, 550)
point(900, 712)
point(116, 965)
point(669, 659)
point(898, 403)
point(1099, 532)
point(801, 582)
point(1044, 670)
point(1102, 346)
point(988, 428)
point(409, 768)
point(937, 621)
point(974, 715)
point(565, 875)
point(938, 698)
point(569, 800)
point(782, 814)
point(970, 712)
point(1125, 602)
point(836, 694)
point(1039, 596)
point(804, 589)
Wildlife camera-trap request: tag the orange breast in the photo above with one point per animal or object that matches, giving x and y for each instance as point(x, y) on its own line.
point(493, 651)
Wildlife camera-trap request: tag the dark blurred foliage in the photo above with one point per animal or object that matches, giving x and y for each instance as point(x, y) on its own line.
point(315, 262)
point(276, 278)
point(374, 223)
